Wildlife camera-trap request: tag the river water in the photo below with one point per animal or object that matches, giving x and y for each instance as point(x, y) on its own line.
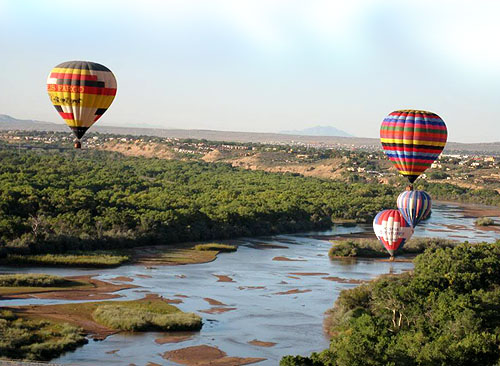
point(262, 310)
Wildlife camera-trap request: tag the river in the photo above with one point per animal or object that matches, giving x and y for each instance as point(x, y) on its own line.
point(262, 296)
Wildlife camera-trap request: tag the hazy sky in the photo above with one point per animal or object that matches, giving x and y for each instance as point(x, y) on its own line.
point(263, 65)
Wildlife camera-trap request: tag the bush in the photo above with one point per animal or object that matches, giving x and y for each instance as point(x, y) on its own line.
point(372, 248)
point(216, 247)
point(485, 221)
point(34, 280)
point(94, 259)
point(36, 340)
point(135, 319)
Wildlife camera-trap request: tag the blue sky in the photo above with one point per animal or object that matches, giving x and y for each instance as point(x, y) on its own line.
point(263, 65)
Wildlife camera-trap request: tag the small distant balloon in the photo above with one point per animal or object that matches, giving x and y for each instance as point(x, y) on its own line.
point(413, 140)
point(415, 206)
point(81, 91)
point(392, 230)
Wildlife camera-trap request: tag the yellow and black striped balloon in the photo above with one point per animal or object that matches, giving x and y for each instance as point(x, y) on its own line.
point(81, 92)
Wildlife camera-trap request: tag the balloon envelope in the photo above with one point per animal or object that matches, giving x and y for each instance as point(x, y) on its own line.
point(392, 230)
point(413, 140)
point(81, 92)
point(415, 206)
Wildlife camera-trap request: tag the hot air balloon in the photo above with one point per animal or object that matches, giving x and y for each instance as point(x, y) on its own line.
point(81, 92)
point(415, 206)
point(392, 230)
point(413, 140)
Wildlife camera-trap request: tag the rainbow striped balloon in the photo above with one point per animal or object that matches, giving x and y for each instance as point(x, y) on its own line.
point(413, 140)
point(415, 206)
point(81, 92)
point(392, 230)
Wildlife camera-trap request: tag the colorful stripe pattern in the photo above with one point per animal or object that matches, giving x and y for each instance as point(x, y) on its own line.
point(415, 206)
point(81, 92)
point(392, 230)
point(413, 140)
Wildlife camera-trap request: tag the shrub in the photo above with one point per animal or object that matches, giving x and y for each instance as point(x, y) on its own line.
point(485, 221)
point(34, 280)
point(135, 319)
point(216, 247)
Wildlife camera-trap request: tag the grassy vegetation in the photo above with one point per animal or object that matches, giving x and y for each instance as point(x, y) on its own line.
point(35, 280)
point(445, 312)
point(372, 248)
point(485, 221)
point(217, 247)
point(36, 340)
point(134, 315)
point(145, 318)
point(76, 259)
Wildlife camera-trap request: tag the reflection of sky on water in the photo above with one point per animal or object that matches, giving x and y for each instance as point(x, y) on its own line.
point(293, 321)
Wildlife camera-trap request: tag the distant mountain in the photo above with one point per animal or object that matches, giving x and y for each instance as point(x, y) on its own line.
point(320, 139)
point(319, 131)
point(10, 123)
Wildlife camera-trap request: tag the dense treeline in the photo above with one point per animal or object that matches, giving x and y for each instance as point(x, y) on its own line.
point(444, 313)
point(54, 202)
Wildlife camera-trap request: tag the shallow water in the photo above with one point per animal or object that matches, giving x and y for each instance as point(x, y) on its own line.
point(293, 321)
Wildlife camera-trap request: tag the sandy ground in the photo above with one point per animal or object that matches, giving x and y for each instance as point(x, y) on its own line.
point(214, 302)
point(291, 292)
point(224, 278)
point(56, 313)
point(258, 343)
point(99, 290)
point(207, 356)
point(216, 310)
point(175, 338)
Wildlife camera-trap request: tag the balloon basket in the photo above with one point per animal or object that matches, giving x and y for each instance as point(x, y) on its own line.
point(78, 145)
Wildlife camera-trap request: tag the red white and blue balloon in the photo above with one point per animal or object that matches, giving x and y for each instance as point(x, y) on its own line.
point(415, 206)
point(392, 230)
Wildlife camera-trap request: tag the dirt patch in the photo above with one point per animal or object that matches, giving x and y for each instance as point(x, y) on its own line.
point(224, 278)
point(173, 301)
point(179, 295)
point(60, 314)
point(286, 259)
point(153, 364)
point(207, 356)
point(258, 343)
point(294, 277)
point(343, 280)
point(182, 253)
point(214, 302)
point(122, 279)
point(216, 310)
point(291, 292)
point(143, 276)
point(251, 287)
point(146, 149)
point(112, 352)
point(309, 274)
point(174, 338)
point(98, 290)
